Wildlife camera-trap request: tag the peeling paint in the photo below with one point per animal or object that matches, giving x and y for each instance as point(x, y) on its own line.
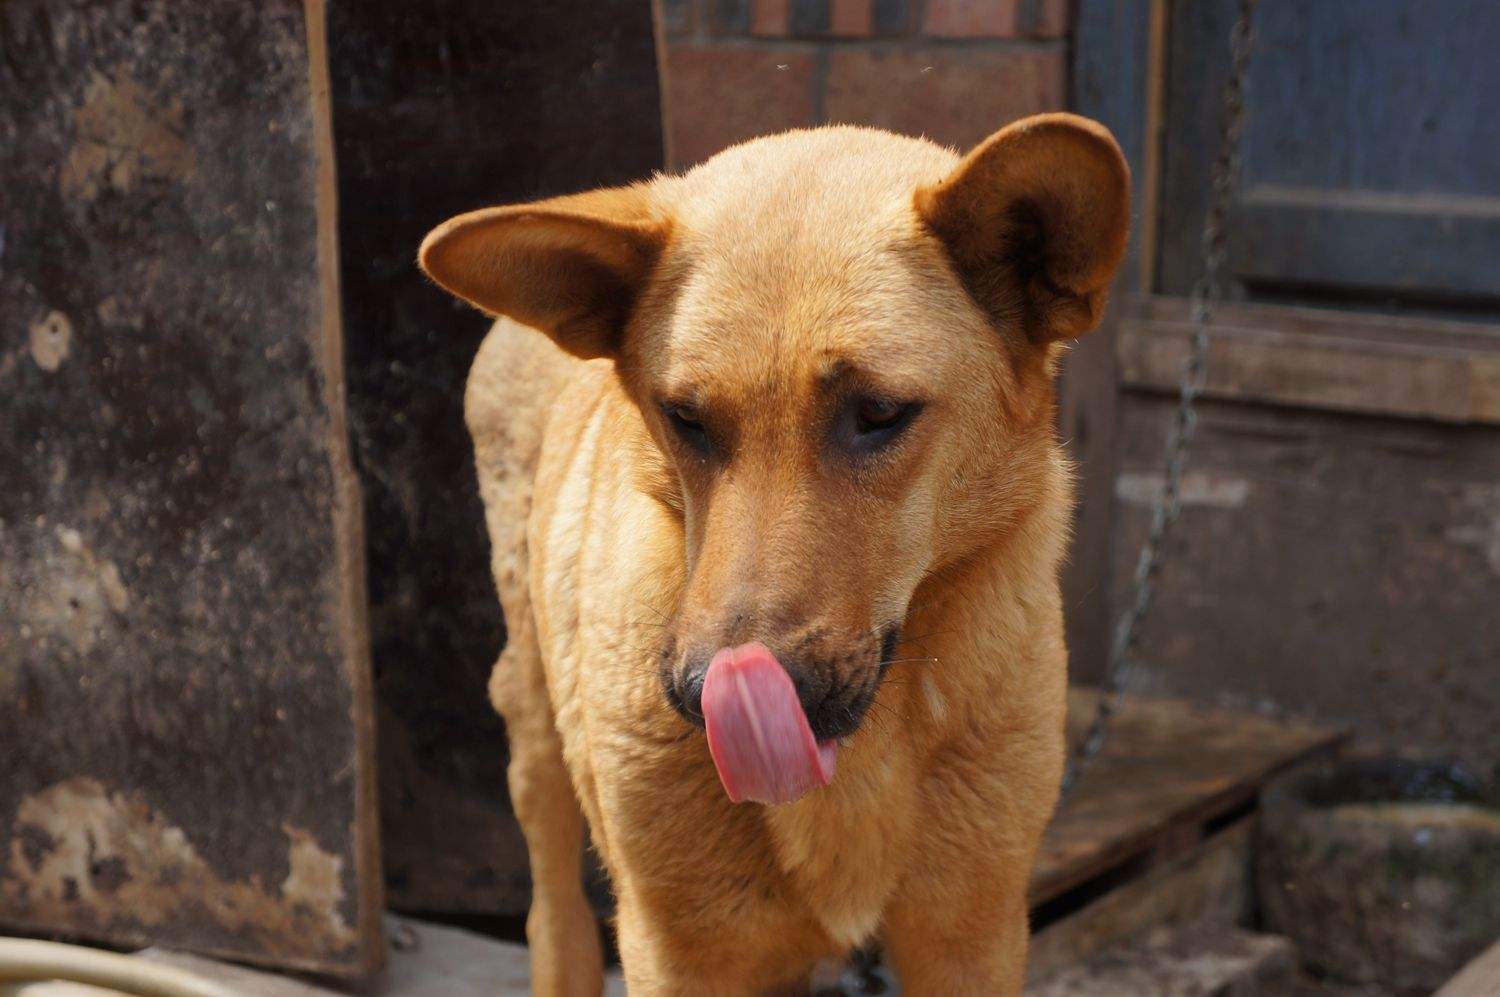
point(83, 856)
point(51, 340)
point(118, 310)
point(122, 136)
point(78, 596)
point(1483, 533)
point(104, 570)
point(314, 882)
point(1203, 488)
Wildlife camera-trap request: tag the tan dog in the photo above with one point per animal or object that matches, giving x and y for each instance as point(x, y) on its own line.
point(792, 417)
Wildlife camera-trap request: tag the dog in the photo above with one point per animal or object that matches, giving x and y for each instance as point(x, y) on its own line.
point(777, 508)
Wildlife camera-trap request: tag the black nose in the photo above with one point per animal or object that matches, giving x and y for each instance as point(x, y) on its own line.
point(684, 687)
point(834, 708)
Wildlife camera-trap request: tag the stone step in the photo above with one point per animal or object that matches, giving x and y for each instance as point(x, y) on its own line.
point(1178, 962)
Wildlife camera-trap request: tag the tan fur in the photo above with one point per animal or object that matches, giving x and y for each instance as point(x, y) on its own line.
point(755, 289)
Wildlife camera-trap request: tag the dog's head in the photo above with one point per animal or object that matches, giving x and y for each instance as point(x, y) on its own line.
point(842, 344)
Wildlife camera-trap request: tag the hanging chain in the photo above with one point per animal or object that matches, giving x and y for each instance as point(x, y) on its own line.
point(1205, 299)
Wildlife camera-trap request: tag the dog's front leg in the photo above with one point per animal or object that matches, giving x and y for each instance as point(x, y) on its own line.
point(566, 956)
point(656, 965)
point(955, 938)
point(663, 959)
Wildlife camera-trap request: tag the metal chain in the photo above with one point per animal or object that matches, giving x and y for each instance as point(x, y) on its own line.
point(1206, 294)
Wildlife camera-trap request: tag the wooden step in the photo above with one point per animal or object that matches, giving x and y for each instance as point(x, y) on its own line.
point(1171, 772)
point(1208, 883)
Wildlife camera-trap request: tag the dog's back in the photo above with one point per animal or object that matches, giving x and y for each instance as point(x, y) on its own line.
point(516, 376)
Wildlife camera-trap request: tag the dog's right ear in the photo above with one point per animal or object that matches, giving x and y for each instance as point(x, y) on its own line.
point(570, 266)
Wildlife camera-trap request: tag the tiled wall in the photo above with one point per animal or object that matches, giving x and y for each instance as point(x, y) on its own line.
point(953, 70)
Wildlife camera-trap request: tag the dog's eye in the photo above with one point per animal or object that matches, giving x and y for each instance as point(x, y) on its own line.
point(876, 413)
point(876, 422)
point(688, 425)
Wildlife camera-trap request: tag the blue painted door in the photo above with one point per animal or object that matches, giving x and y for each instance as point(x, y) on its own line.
point(1371, 171)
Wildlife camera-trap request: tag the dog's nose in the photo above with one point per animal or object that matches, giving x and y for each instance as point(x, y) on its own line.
point(685, 690)
point(833, 709)
point(812, 687)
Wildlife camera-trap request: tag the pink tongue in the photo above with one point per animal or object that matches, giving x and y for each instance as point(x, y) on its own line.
point(759, 737)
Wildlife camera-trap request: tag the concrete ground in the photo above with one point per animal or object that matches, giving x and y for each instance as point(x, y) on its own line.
point(422, 960)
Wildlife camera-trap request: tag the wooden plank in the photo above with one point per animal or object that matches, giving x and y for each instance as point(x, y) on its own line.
point(1210, 884)
point(1372, 327)
point(1480, 978)
point(1341, 361)
point(444, 107)
point(1417, 245)
point(184, 701)
point(1167, 766)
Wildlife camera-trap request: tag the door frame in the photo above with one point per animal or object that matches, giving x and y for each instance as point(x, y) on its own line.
point(1118, 79)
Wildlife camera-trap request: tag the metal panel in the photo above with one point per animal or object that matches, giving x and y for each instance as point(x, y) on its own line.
point(444, 107)
point(185, 752)
point(1392, 245)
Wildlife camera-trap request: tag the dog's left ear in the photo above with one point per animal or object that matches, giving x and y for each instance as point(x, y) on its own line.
point(1035, 220)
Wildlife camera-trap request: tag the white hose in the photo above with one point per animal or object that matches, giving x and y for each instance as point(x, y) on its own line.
point(28, 961)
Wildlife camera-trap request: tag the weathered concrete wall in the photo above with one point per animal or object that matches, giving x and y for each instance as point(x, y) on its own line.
point(1338, 567)
point(184, 703)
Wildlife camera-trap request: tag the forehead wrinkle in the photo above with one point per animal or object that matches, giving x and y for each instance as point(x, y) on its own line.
point(768, 324)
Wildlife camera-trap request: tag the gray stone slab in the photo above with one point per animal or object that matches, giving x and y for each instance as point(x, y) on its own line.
point(1183, 962)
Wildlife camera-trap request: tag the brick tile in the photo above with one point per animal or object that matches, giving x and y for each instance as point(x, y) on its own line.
point(720, 94)
point(678, 17)
point(809, 17)
point(1043, 18)
point(772, 18)
point(955, 96)
point(892, 17)
point(996, 18)
point(851, 18)
point(970, 18)
point(730, 17)
point(828, 18)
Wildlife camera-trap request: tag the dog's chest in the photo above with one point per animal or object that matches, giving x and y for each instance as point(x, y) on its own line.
point(845, 848)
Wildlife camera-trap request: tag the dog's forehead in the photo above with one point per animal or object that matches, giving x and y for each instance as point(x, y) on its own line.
point(800, 253)
point(745, 326)
point(805, 193)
